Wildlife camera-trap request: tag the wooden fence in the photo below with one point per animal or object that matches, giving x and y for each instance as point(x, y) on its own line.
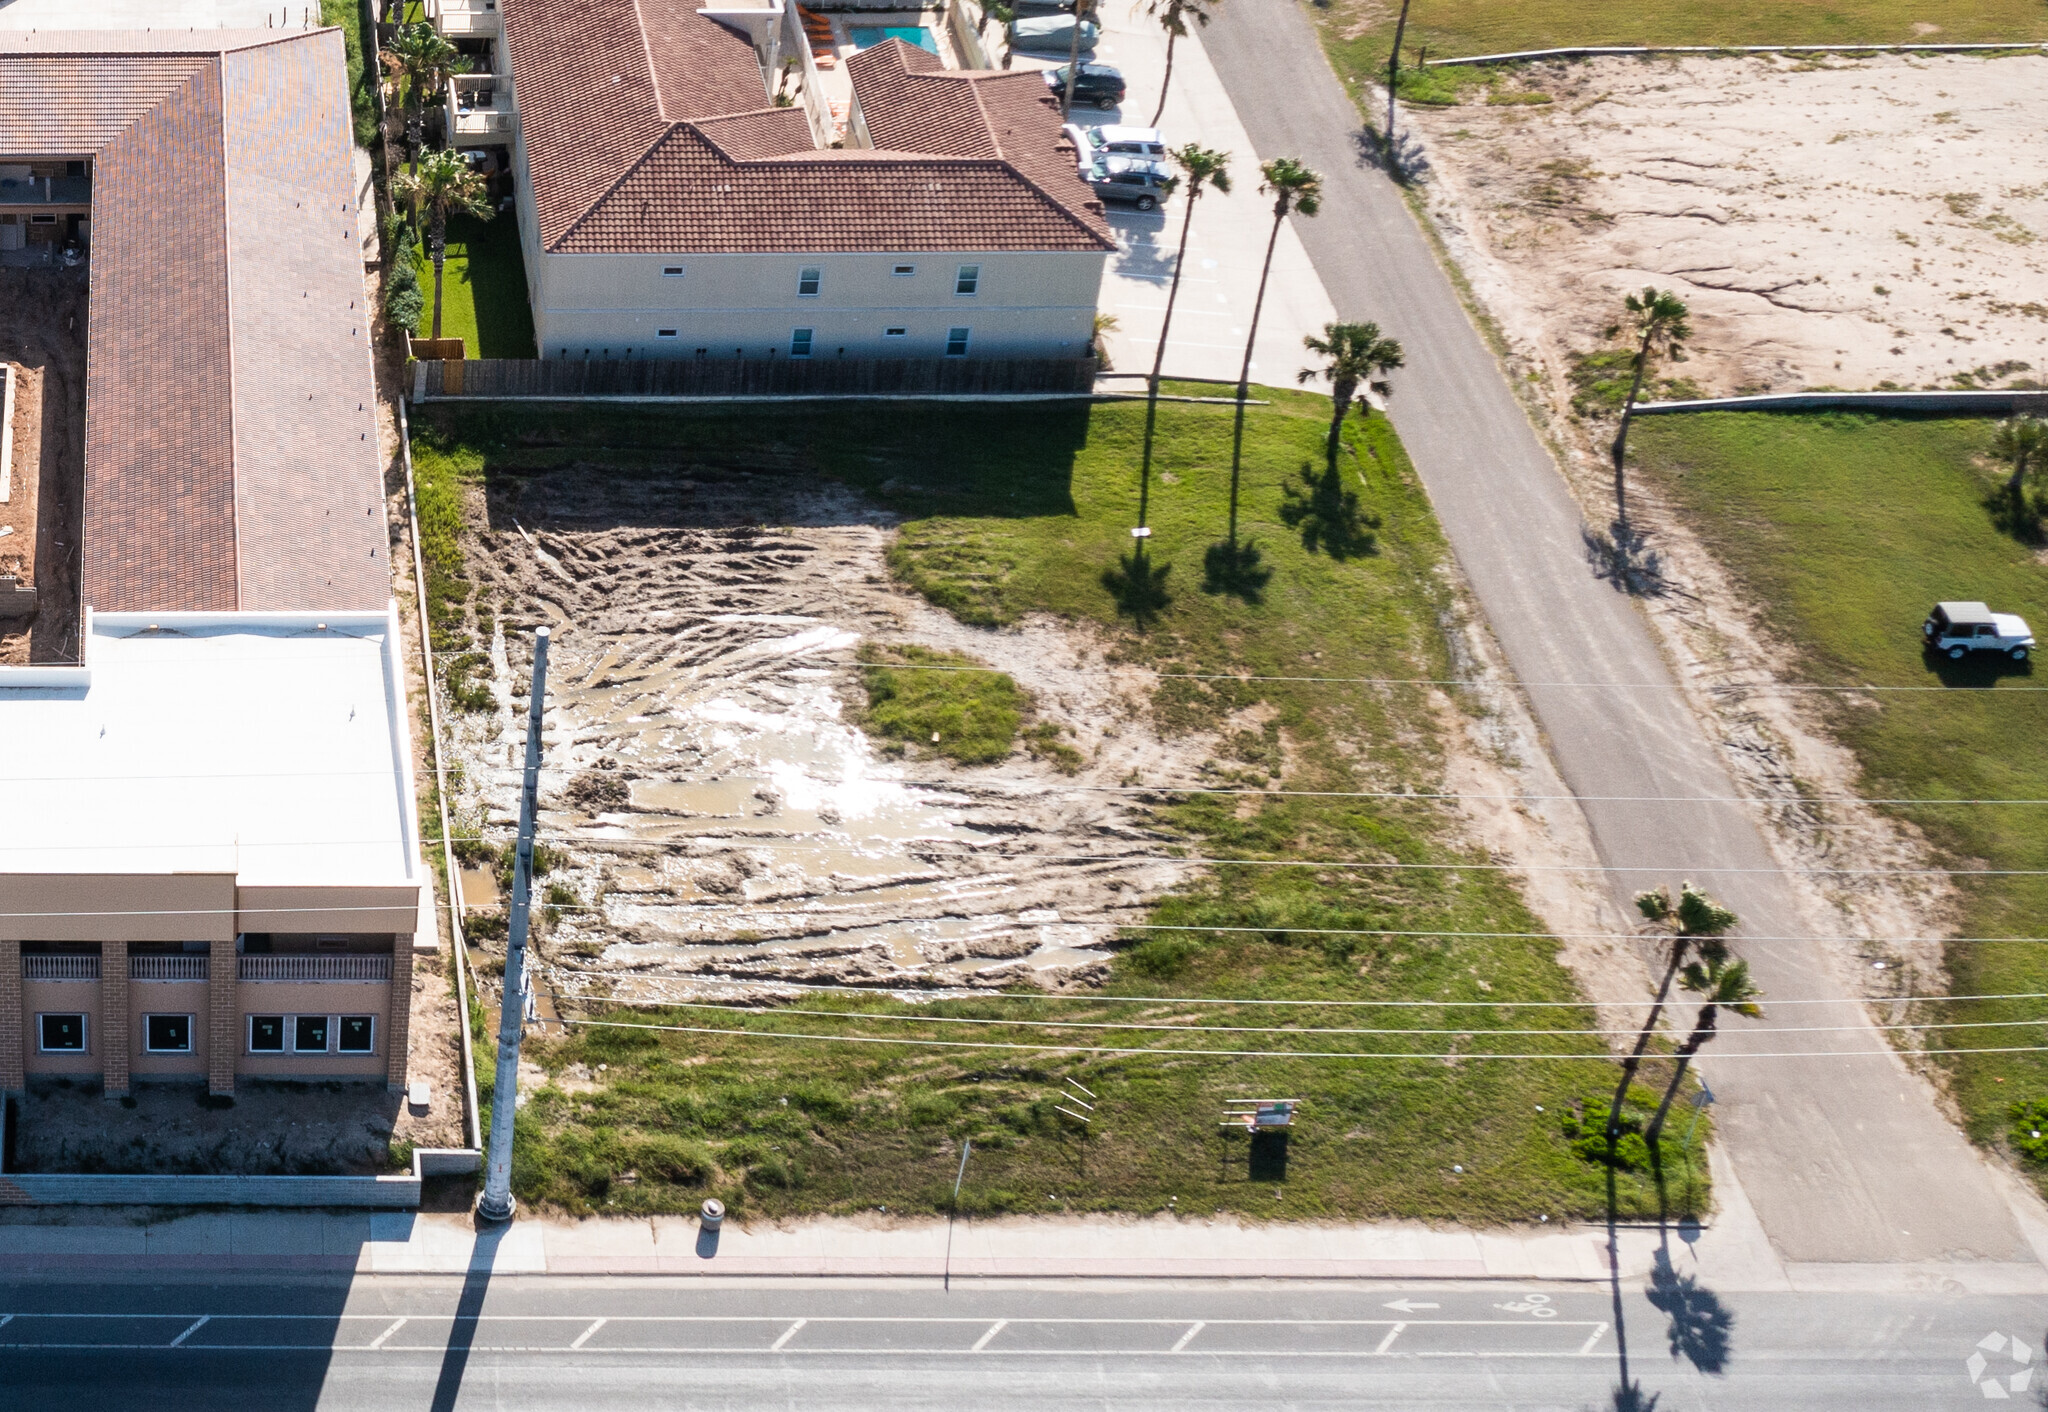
point(780, 377)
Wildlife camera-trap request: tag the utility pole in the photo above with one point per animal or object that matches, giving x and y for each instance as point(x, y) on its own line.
point(1394, 77)
point(496, 1202)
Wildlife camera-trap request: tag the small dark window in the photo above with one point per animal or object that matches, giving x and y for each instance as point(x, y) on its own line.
point(671, 271)
point(61, 1034)
point(894, 332)
point(309, 1034)
point(800, 343)
point(167, 1034)
point(809, 280)
point(956, 342)
point(266, 1034)
point(665, 333)
point(968, 281)
point(356, 1033)
point(905, 270)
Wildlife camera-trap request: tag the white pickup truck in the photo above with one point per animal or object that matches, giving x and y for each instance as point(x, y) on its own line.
point(1957, 629)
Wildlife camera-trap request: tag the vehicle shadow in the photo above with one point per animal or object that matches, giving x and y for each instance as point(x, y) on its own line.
point(1979, 670)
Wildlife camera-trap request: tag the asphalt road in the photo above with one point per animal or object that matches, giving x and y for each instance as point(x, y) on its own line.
point(1844, 1158)
point(382, 1343)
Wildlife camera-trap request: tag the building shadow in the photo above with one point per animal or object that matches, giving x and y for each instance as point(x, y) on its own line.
point(462, 1332)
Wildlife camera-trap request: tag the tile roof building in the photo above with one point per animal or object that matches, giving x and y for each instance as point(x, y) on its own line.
point(231, 454)
point(668, 207)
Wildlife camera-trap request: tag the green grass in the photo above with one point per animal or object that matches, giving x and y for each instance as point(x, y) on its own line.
point(1359, 34)
point(970, 717)
point(1009, 511)
point(1844, 529)
point(347, 15)
point(484, 286)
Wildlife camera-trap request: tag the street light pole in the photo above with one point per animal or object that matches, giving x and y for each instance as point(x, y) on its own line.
point(496, 1202)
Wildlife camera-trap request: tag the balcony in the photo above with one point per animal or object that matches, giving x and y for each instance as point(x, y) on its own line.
point(314, 968)
point(45, 193)
point(480, 111)
point(60, 968)
point(166, 968)
point(465, 19)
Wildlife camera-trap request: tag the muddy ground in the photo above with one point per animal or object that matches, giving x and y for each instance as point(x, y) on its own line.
point(42, 331)
point(721, 812)
point(1853, 222)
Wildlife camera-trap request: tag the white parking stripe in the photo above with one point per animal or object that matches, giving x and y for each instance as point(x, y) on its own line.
point(195, 1326)
point(396, 1325)
point(787, 1334)
point(1388, 1342)
point(1592, 1339)
point(1188, 1337)
point(584, 1337)
point(993, 1330)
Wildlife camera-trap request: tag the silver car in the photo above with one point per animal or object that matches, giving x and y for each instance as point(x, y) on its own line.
point(1051, 32)
point(1134, 180)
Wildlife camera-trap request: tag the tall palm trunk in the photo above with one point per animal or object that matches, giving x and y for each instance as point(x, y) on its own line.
point(437, 242)
point(1635, 1058)
point(1341, 393)
point(1628, 409)
point(1187, 221)
point(1702, 1031)
point(1160, 111)
point(1244, 373)
point(1073, 63)
point(2013, 487)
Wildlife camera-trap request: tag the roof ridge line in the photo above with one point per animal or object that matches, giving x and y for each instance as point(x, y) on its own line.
point(647, 53)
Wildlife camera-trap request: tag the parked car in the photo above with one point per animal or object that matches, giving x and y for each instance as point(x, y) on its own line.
point(1143, 184)
point(1051, 32)
point(1111, 140)
point(1099, 84)
point(1957, 629)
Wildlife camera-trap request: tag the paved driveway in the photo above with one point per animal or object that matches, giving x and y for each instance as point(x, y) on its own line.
point(1227, 244)
point(1844, 1157)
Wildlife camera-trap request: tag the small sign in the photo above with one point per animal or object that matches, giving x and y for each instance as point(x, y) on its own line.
point(1142, 532)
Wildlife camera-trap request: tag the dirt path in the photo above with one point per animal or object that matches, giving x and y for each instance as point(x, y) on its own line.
point(42, 330)
point(729, 815)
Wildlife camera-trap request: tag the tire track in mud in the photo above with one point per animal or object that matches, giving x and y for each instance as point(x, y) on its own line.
point(706, 778)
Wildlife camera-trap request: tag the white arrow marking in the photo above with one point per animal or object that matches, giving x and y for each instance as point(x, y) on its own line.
point(1408, 1306)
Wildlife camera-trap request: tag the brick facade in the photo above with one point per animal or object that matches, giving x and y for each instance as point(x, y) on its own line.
point(11, 1037)
point(398, 1021)
point(114, 1041)
point(223, 1021)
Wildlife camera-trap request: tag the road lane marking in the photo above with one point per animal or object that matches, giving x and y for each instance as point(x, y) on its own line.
point(787, 1334)
point(1592, 1339)
point(582, 1338)
point(396, 1325)
point(993, 1330)
point(194, 1327)
point(5, 1320)
point(1388, 1342)
point(1188, 1337)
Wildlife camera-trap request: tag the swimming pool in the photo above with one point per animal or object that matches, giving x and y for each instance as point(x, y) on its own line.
point(868, 36)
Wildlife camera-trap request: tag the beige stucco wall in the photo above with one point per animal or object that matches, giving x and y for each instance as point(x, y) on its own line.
point(167, 998)
point(329, 909)
point(64, 997)
point(313, 998)
point(117, 906)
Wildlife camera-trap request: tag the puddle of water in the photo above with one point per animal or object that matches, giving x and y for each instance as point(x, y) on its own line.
point(727, 798)
point(479, 888)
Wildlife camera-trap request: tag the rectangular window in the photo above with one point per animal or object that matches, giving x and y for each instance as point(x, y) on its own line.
point(808, 281)
point(356, 1033)
point(800, 343)
point(167, 1034)
point(664, 333)
point(266, 1034)
point(60, 1034)
point(309, 1034)
point(905, 270)
point(968, 281)
point(671, 271)
point(956, 343)
point(894, 332)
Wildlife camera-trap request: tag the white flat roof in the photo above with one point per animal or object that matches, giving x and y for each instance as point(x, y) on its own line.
point(270, 745)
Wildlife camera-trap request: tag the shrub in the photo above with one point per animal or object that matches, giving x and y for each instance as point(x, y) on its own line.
point(1161, 956)
point(2030, 1130)
point(404, 304)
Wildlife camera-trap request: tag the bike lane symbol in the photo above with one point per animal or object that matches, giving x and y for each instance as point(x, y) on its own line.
point(1536, 1306)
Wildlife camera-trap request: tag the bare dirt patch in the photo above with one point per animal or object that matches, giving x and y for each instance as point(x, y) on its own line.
point(42, 332)
point(1853, 223)
point(719, 811)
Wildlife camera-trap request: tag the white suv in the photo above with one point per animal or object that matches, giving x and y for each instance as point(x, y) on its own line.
point(1958, 629)
point(1115, 140)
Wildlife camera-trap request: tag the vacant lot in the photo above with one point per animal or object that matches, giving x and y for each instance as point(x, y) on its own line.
point(1857, 224)
point(1843, 530)
point(1017, 521)
point(1360, 32)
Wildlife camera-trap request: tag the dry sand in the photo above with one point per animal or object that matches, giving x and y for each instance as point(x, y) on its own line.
point(1853, 223)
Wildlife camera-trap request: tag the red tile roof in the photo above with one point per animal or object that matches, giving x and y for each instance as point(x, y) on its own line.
point(647, 131)
point(231, 456)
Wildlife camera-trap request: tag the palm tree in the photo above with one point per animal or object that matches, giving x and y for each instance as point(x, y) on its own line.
point(1200, 167)
point(1293, 187)
point(425, 61)
point(2017, 441)
point(1658, 316)
point(1696, 920)
point(1721, 984)
point(1352, 354)
point(1173, 17)
point(1082, 10)
point(444, 185)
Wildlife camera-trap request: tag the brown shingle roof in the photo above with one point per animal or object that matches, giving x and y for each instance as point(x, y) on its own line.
point(646, 132)
point(231, 456)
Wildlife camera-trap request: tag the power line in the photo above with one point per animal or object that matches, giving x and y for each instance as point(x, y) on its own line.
point(1260, 1053)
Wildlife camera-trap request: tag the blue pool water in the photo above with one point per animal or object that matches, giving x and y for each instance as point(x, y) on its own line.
point(868, 36)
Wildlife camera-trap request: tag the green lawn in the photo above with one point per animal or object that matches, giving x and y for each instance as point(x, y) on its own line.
point(485, 289)
point(347, 15)
point(1844, 529)
point(1359, 33)
point(1015, 510)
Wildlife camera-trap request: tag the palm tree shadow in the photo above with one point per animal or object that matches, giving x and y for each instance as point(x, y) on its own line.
point(1622, 556)
point(1700, 1322)
point(1328, 516)
point(1236, 569)
point(1138, 587)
